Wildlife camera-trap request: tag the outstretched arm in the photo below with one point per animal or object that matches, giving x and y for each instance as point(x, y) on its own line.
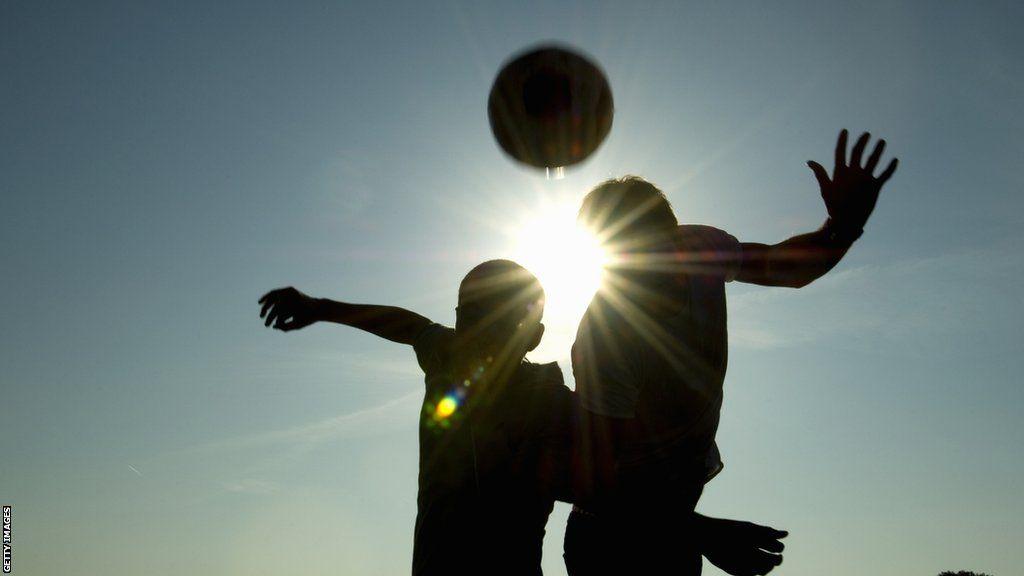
point(288, 309)
point(850, 195)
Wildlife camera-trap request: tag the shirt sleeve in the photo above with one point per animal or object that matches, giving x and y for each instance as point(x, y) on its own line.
point(712, 250)
point(432, 347)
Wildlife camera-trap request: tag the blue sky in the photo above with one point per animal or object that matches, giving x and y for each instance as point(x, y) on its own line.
point(163, 165)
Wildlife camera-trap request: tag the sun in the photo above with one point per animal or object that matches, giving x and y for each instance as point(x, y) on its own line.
point(568, 261)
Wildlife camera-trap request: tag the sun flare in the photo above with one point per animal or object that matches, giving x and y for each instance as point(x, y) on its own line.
point(568, 261)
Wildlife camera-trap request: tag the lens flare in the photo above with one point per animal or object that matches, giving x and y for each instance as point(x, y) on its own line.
point(446, 407)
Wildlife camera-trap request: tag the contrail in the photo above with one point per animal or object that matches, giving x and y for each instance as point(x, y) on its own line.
point(136, 471)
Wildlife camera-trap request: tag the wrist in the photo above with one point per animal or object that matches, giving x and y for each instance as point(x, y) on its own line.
point(842, 232)
point(319, 308)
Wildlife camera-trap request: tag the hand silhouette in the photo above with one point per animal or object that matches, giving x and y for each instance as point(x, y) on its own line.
point(288, 309)
point(850, 194)
point(741, 548)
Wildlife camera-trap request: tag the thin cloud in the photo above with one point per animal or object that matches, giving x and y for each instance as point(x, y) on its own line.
point(388, 416)
point(910, 302)
point(251, 486)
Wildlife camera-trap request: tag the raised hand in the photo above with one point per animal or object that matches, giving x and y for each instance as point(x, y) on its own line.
point(288, 309)
point(741, 548)
point(850, 194)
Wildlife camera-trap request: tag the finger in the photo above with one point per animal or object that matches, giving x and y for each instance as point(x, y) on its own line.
point(765, 562)
point(271, 316)
point(772, 546)
point(282, 323)
point(270, 294)
point(858, 149)
point(767, 532)
point(888, 171)
point(279, 319)
point(266, 306)
point(841, 149)
point(873, 159)
point(767, 538)
point(820, 174)
point(292, 324)
point(754, 563)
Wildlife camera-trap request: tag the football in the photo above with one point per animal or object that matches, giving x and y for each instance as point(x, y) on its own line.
point(550, 107)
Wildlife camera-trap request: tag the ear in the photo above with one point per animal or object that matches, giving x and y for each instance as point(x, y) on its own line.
point(538, 333)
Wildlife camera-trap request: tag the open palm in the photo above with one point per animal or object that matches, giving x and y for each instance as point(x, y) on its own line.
point(852, 190)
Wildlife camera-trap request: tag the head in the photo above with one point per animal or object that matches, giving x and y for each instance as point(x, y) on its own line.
point(500, 309)
point(628, 214)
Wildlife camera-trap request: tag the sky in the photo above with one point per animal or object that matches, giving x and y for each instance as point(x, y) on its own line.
point(164, 164)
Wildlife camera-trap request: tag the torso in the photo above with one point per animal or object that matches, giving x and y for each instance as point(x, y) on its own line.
point(475, 511)
point(658, 375)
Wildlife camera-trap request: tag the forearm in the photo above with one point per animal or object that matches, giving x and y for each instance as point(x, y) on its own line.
point(389, 322)
point(798, 261)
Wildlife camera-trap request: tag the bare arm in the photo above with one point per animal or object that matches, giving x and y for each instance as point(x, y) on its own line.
point(288, 309)
point(850, 195)
point(795, 262)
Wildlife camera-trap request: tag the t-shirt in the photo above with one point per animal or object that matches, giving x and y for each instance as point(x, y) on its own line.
point(662, 367)
point(492, 462)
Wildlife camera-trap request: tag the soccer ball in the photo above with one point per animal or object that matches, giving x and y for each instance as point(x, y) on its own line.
point(550, 107)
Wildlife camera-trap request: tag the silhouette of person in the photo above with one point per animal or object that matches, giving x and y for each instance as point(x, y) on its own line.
point(496, 431)
point(483, 501)
point(650, 357)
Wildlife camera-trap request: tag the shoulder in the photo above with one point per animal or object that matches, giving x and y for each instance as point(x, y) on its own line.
point(542, 375)
point(433, 346)
point(712, 251)
point(544, 396)
point(544, 382)
point(434, 335)
point(706, 235)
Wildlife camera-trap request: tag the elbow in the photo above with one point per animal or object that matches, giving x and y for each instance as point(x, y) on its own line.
point(797, 281)
point(809, 276)
point(803, 277)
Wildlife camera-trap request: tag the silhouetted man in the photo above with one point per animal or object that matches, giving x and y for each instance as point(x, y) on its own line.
point(650, 358)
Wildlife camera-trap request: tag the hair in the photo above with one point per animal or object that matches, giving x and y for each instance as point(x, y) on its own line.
point(500, 293)
point(628, 209)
